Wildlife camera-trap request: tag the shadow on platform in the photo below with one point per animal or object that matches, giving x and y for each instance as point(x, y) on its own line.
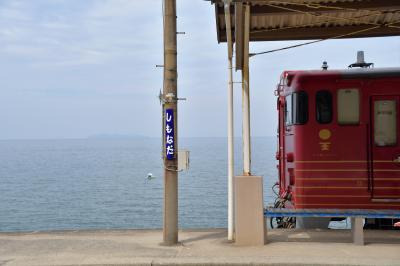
point(332, 236)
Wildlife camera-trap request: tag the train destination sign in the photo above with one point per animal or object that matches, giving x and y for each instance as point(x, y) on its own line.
point(169, 134)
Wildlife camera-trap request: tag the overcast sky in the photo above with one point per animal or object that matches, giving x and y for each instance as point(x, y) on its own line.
point(73, 68)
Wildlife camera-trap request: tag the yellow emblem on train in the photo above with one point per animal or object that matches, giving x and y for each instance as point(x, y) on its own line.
point(325, 135)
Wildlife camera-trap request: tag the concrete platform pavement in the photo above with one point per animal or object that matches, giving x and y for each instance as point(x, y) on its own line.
point(198, 247)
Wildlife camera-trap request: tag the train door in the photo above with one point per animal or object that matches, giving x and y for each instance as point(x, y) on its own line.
point(281, 143)
point(385, 147)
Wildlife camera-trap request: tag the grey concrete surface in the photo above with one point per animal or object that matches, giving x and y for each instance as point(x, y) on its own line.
point(197, 247)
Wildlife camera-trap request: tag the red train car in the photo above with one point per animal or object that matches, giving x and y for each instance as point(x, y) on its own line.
point(339, 138)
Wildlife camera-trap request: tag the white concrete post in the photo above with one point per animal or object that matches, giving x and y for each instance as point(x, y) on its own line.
point(231, 226)
point(357, 230)
point(249, 205)
point(246, 95)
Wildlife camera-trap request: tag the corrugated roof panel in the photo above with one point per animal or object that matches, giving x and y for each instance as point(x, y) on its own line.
point(337, 19)
point(300, 19)
point(285, 2)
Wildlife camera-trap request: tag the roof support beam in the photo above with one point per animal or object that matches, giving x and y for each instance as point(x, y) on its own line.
point(323, 33)
point(239, 26)
point(313, 33)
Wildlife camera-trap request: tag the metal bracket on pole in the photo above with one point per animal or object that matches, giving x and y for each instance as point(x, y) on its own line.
point(169, 98)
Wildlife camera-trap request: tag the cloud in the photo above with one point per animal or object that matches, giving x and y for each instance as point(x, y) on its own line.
point(13, 10)
point(24, 50)
point(58, 34)
point(121, 9)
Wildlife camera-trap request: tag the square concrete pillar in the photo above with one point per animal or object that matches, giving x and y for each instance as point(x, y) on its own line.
point(357, 224)
point(250, 227)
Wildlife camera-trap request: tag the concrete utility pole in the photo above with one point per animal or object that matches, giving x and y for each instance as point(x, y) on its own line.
point(170, 136)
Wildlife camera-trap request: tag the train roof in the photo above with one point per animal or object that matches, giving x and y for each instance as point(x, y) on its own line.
point(352, 73)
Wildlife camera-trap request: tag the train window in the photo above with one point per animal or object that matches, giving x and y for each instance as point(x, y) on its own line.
point(348, 106)
point(324, 107)
point(385, 128)
point(296, 108)
point(288, 110)
point(300, 108)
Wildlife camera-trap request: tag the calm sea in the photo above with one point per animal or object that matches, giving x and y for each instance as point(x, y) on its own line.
point(101, 184)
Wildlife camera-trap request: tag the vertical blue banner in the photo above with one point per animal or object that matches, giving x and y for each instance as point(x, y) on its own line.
point(169, 134)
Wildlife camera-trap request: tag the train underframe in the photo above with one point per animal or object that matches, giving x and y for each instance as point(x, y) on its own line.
point(322, 222)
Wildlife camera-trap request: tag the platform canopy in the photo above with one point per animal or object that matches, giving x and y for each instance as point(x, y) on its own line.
point(279, 20)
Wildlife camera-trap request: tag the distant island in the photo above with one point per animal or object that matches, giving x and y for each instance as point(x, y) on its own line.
point(116, 136)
